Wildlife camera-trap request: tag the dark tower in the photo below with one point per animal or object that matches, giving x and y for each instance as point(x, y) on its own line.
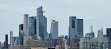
point(108, 33)
point(6, 41)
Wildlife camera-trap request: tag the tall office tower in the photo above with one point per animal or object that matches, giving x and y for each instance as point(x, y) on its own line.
point(92, 35)
point(79, 29)
point(54, 29)
point(26, 29)
point(72, 28)
point(32, 27)
point(100, 38)
point(75, 28)
point(54, 32)
point(26, 24)
point(41, 24)
point(11, 38)
point(21, 34)
point(100, 32)
point(108, 33)
point(6, 41)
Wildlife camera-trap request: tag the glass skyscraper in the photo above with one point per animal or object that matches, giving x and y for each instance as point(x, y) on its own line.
point(41, 24)
point(75, 28)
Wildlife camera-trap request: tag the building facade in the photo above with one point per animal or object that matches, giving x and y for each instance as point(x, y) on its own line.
point(54, 32)
point(21, 34)
point(11, 38)
point(32, 27)
point(108, 33)
point(41, 25)
point(26, 24)
point(6, 41)
point(75, 28)
point(54, 29)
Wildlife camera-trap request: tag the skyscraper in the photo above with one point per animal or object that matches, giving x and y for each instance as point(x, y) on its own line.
point(26, 24)
point(26, 29)
point(41, 26)
point(54, 32)
point(108, 33)
point(75, 28)
point(6, 41)
point(100, 32)
point(54, 29)
point(72, 28)
point(11, 38)
point(100, 38)
point(79, 29)
point(21, 34)
point(91, 34)
point(32, 27)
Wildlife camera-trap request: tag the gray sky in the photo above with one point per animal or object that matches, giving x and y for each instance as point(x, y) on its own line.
point(94, 12)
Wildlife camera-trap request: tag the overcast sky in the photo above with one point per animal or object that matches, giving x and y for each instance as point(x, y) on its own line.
point(94, 12)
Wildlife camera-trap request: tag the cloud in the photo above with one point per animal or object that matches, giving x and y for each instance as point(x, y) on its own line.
point(89, 18)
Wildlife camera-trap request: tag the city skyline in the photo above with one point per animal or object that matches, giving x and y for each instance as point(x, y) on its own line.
point(99, 19)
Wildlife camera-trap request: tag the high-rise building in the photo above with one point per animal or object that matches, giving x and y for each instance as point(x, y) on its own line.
point(32, 27)
point(79, 29)
point(26, 29)
point(11, 38)
point(91, 34)
point(26, 24)
point(6, 41)
point(21, 34)
point(75, 28)
point(21, 27)
point(100, 32)
point(41, 26)
point(54, 29)
point(54, 32)
point(108, 33)
point(100, 39)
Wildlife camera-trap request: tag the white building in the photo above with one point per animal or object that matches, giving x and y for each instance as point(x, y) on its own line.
point(11, 38)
